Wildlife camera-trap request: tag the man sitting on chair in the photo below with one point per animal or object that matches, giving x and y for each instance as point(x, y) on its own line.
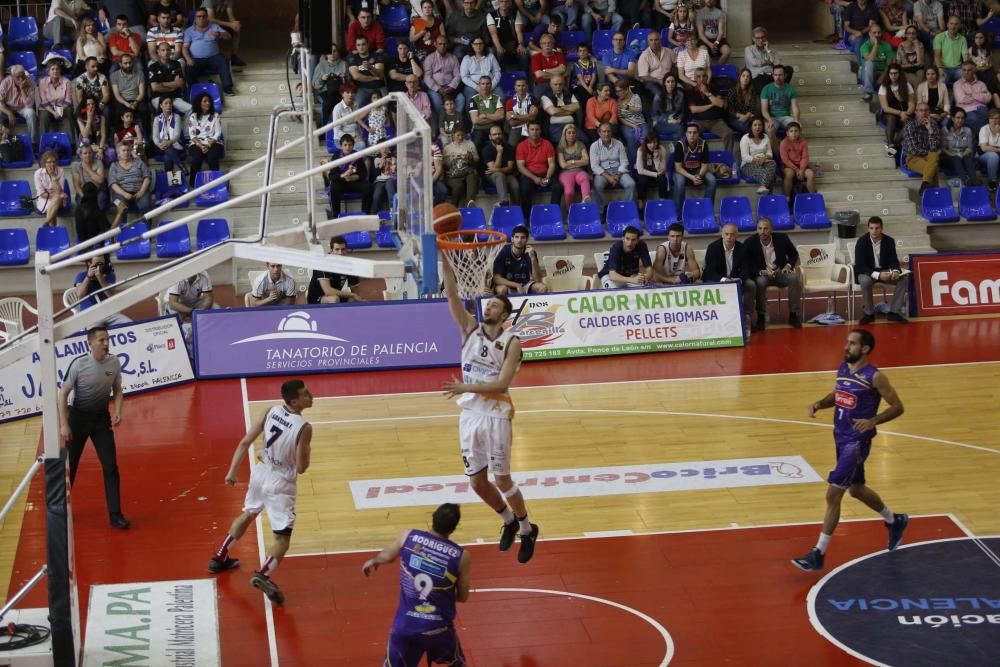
point(675, 262)
point(628, 263)
point(99, 276)
point(328, 287)
point(273, 287)
point(516, 269)
point(774, 262)
point(875, 261)
point(726, 260)
point(189, 295)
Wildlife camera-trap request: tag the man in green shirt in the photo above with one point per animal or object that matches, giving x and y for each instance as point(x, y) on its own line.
point(485, 110)
point(875, 56)
point(949, 50)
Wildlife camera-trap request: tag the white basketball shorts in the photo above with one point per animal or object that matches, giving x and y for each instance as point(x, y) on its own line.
point(485, 442)
point(274, 493)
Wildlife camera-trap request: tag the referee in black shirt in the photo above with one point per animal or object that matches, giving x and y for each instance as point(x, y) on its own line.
point(91, 378)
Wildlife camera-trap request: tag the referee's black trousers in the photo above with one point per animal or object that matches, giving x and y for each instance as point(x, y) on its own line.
point(97, 427)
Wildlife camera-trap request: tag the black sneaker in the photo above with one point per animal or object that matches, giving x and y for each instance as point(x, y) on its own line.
point(896, 528)
point(507, 534)
point(794, 320)
point(760, 324)
point(811, 561)
point(215, 566)
point(867, 318)
point(119, 521)
point(236, 61)
point(897, 318)
point(527, 549)
point(263, 583)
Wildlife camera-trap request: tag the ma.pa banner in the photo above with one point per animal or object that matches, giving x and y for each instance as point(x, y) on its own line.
point(625, 321)
point(324, 339)
point(152, 355)
point(957, 283)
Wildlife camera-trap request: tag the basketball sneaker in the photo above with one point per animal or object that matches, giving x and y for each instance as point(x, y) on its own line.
point(896, 528)
point(507, 534)
point(811, 561)
point(527, 549)
point(215, 565)
point(263, 583)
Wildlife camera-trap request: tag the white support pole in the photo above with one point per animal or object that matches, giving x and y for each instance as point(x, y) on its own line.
point(47, 357)
point(308, 127)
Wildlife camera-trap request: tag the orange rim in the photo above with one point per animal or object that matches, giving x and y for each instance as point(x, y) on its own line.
point(456, 240)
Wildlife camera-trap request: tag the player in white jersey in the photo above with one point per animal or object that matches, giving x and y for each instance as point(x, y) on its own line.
point(491, 356)
point(285, 456)
point(675, 262)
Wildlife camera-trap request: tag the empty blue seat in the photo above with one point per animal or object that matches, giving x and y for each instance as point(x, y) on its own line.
point(11, 193)
point(133, 246)
point(22, 33)
point(506, 218)
point(473, 218)
point(383, 237)
point(546, 223)
point(601, 42)
point(210, 88)
point(59, 143)
point(726, 158)
point(14, 246)
point(26, 59)
point(52, 239)
point(211, 231)
point(810, 211)
point(937, 206)
point(622, 214)
point(737, 211)
point(568, 40)
point(29, 154)
point(775, 209)
point(164, 192)
point(974, 204)
point(584, 221)
point(358, 240)
point(698, 216)
point(507, 80)
point(331, 143)
point(395, 20)
point(212, 196)
point(659, 215)
point(174, 242)
point(635, 40)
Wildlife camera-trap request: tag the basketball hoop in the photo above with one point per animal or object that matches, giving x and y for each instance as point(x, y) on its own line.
point(471, 254)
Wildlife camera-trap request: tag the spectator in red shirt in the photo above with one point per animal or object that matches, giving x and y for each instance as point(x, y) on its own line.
point(122, 41)
point(536, 167)
point(366, 26)
point(546, 64)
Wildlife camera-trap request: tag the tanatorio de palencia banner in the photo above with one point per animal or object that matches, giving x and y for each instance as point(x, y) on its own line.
point(626, 321)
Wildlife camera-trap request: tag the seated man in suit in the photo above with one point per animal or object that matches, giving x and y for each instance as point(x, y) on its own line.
point(875, 261)
point(774, 262)
point(726, 261)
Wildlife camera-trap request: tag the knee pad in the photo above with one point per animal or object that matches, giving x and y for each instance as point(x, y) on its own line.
point(511, 492)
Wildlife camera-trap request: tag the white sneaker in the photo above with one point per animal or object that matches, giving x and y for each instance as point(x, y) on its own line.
point(763, 190)
point(890, 150)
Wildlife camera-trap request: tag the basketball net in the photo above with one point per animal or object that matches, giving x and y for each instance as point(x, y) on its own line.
point(471, 257)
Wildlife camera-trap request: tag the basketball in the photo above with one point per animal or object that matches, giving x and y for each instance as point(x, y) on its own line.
point(447, 218)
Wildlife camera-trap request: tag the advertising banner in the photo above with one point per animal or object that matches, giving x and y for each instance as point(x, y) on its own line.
point(956, 283)
point(152, 355)
point(325, 339)
point(624, 321)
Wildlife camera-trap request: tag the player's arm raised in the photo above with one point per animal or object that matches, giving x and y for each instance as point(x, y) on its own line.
point(463, 319)
point(498, 386)
point(241, 449)
point(386, 556)
point(888, 393)
point(463, 584)
point(303, 449)
point(827, 401)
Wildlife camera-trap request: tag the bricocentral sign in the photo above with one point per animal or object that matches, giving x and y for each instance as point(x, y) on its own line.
point(957, 283)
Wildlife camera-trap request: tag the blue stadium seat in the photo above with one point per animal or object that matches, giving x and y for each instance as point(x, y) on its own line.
point(775, 209)
point(25, 58)
point(635, 40)
point(62, 53)
point(937, 206)
point(59, 143)
point(473, 218)
point(10, 198)
point(698, 216)
point(211, 231)
point(568, 40)
point(506, 218)
point(331, 144)
point(22, 33)
point(507, 80)
point(173, 243)
point(992, 27)
point(213, 91)
point(212, 196)
point(737, 211)
point(14, 246)
point(546, 223)
point(162, 192)
point(29, 154)
point(53, 239)
point(659, 215)
point(395, 20)
point(601, 42)
point(383, 237)
point(726, 71)
point(138, 249)
point(622, 214)
point(584, 221)
point(726, 158)
point(810, 211)
point(974, 204)
point(358, 240)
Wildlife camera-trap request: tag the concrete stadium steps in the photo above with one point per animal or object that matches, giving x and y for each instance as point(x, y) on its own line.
point(864, 146)
point(832, 104)
point(828, 78)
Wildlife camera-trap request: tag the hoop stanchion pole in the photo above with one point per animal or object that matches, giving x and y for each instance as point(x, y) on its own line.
point(429, 278)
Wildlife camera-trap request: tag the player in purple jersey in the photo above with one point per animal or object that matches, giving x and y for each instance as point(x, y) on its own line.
point(433, 575)
point(859, 390)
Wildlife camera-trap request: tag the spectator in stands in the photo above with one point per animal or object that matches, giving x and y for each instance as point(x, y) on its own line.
point(100, 275)
point(516, 269)
point(980, 54)
point(485, 109)
point(123, 42)
point(366, 26)
point(17, 96)
point(922, 146)
point(949, 50)
point(618, 61)
point(570, 14)
point(167, 135)
point(355, 7)
point(774, 262)
point(876, 54)
point(654, 63)
point(628, 263)
point(875, 261)
point(461, 161)
point(711, 25)
point(662, 13)
point(91, 83)
point(691, 166)
point(671, 116)
point(546, 64)
point(418, 97)
point(585, 76)
point(135, 11)
point(631, 121)
point(91, 127)
point(928, 15)
point(449, 119)
point(967, 11)
point(521, 109)
point(794, 153)
point(191, 294)
point(89, 214)
point(166, 80)
point(129, 180)
point(202, 54)
point(536, 167)
point(675, 262)
point(367, 71)
point(328, 77)
point(376, 123)
point(561, 107)
point(165, 32)
point(220, 13)
point(204, 131)
point(574, 165)
point(690, 60)
point(727, 260)
point(55, 108)
point(651, 169)
point(350, 177)
point(498, 167)
point(708, 110)
point(601, 15)
point(90, 170)
point(779, 105)
point(504, 26)
point(345, 107)
point(175, 13)
point(989, 147)
point(532, 12)
point(332, 287)
point(742, 103)
point(442, 76)
point(479, 63)
point(958, 149)
point(972, 95)
point(600, 109)
point(89, 44)
point(760, 59)
point(898, 100)
point(910, 55)
point(386, 179)
point(402, 65)
point(680, 28)
point(551, 27)
point(464, 26)
point(611, 166)
point(894, 20)
point(837, 8)
point(49, 193)
point(425, 28)
point(60, 22)
point(758, 165)
point(129, 130)
point(858, 18)
point(128, 87)
point(273, 287)
point(935, 94)
point(992, 80)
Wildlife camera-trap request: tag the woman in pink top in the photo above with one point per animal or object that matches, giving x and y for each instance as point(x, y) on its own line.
point(49, 188)
point(795, 158)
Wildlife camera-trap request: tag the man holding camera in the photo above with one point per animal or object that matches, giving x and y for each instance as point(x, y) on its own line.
point(90, 286)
